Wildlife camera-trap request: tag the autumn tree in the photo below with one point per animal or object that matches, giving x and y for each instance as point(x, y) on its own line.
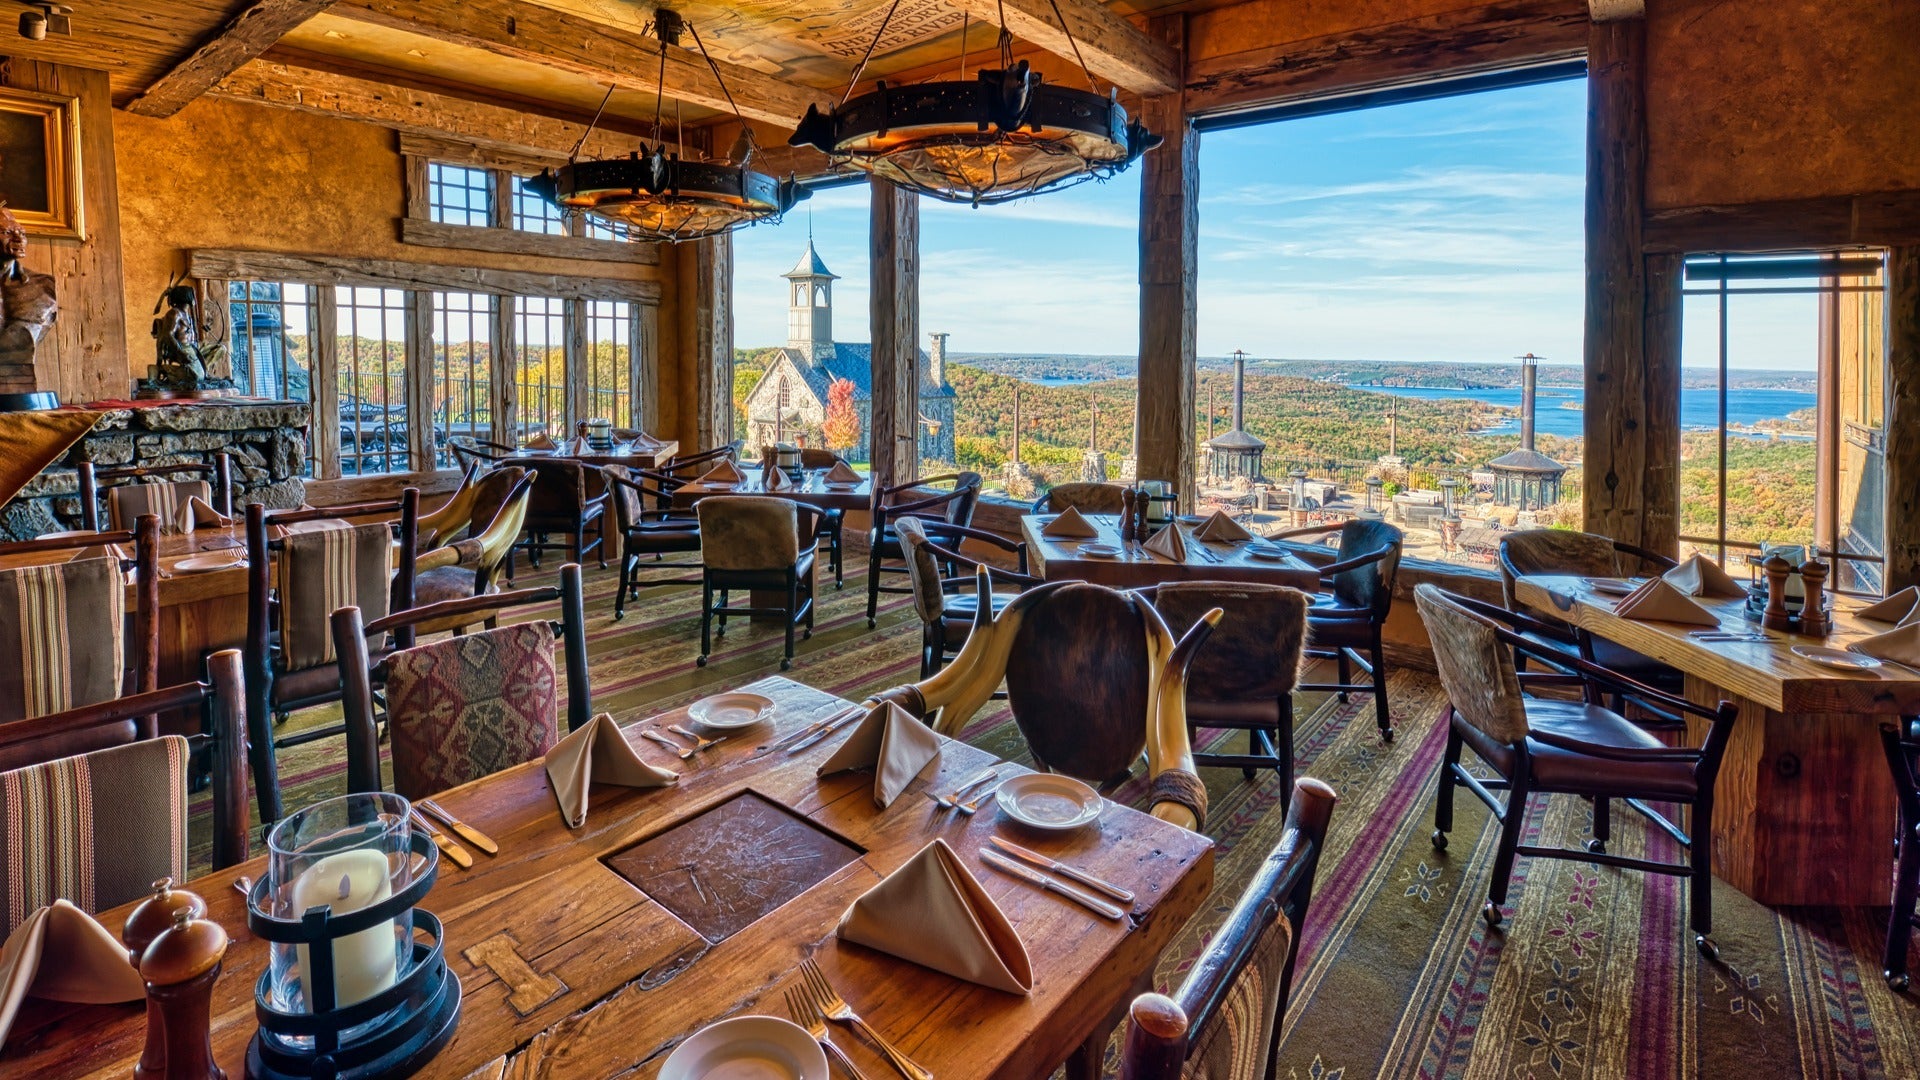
point(842, 427)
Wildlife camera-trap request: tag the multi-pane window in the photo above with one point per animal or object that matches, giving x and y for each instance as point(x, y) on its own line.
point(372, 357)
point(599, 228)
point(462, 363)
point(457, 195)
point(531, 213)
point(272, 345)
point(540, 364)
point(609, 361)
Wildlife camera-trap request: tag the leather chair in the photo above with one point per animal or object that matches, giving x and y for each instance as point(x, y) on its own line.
point(469, 452)
point(1903, 758)
point(127, 500)
point(833, 520)
point(64, 639)
point(1346, 618)
point(456, 712)
point(754, 542)
point(1245, 677)
point(655, 531)
point(947, 605)
point(915, 498)
point(469, 567)
point(685, 467)
point(1224, 1020)
point(1088, 497)
point(1544, 746)
point(569, 498)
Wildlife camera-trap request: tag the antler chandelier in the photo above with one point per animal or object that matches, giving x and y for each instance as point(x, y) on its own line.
point(1006, 135)
point(654, 195)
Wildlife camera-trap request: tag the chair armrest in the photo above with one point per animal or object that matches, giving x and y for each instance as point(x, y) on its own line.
point(1354, 563)
point(1307, 530)
point(1616, 753)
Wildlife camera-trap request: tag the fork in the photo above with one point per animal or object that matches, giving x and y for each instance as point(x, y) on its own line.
point(699, 743)
point(948, 801)
point(835, 1007)
point(972, 806)
point(808, 1015)
point(679, 750)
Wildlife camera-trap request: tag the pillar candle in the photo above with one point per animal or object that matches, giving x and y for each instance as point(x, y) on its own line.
point(363, 963)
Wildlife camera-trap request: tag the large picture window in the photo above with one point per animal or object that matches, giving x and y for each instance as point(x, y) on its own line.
point(457, 195)
point(371, 346)
point(462, 365)
point(540, 364)
point(609, 361)
point(273, 341)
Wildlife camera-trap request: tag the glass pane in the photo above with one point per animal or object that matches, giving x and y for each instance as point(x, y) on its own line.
point(540, 365)
point(531, 213)
point(272, 341)
point(462, 362)
point(610, 361)
point(371, 340)
point(458, 195)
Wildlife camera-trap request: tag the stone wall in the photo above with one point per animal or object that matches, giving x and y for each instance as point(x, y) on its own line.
point(267, 442)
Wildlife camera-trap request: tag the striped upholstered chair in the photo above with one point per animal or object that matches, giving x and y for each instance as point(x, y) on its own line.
point(137, 493)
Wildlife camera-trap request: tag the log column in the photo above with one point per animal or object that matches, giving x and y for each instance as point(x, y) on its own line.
point(713, 342)
point(1169, 244)
point(894, 312)
point(1903, 418)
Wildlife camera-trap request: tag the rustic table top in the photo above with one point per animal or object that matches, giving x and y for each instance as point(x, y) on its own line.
point(176, 586)
point(812, 490)
point(1768, 673)
point(632, 455)
point(569, 970)
point(1060, 558)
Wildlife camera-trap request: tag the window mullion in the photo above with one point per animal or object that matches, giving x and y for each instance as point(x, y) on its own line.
point(418, 377)
point(324, 382)
point(506, 349)
point(576, 364)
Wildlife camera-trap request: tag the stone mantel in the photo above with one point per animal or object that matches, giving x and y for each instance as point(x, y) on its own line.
point(266, 439)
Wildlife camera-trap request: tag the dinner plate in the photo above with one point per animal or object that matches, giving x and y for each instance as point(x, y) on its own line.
point(1835, 658)
point(841, 485)
point(726, 711)
point(747, 1048)
point(1614, 586)
point(1269, 553)
point(1100, 551)
point(201, 563)
point(1192, 519)
point(1047, 801)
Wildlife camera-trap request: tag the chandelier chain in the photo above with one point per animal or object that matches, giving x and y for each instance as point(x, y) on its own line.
point(965, 21)
point(717, 77)
point(591, 124)
point(877, 35)
point(1068, 30)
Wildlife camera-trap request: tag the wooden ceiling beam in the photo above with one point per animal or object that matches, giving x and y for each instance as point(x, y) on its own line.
point(244, 38)
point(598, 51)
point(1113, 48)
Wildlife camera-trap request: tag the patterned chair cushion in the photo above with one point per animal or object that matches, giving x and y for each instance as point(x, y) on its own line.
point(464, 707)
point(61, 637)
point(96, 829)
point(126, 502)
point(1233, 1043)
point(323, 570)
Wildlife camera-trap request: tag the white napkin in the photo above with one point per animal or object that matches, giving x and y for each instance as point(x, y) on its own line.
point(542, 441)
point(61, 953)
point(196, 512)
point(597, 754)
point(890, 742)
point(1170, 543)
point(776, 479)
point(1070, 524)
point(1899, 608)
point(1660, 601)
point(934, 912)
point(1701, 576)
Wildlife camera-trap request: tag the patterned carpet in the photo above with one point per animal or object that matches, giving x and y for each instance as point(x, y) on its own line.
point(1594, 974)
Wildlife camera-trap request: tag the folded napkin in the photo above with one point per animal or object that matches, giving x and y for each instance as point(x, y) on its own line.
point(891, 743)
point(1219, 528)
point(1900, 645)
point(61, 953)
point(1701, 576)
point(1169, 542)
point(1660, 601)
point(541, 441)
point(842, 473)
point(1070, 523)
point(196, 512)
point(597, 754)
point(933, 912)
point(776, 478)
point(724, 473)
point(641, 438)
point(1899, 608)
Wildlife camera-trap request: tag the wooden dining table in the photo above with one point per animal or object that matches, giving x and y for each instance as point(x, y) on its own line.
point(1804, 804)
point(810, 490)
point(634, 455)
point(1061, 559)
point(569, 967)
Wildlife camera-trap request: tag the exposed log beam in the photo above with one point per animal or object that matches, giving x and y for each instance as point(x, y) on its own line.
point(894, 317)
point(711, 284)
point(1878, 219)
point(1114, 49)
point(607, 54)
point(251, 33)
point(1169, 268)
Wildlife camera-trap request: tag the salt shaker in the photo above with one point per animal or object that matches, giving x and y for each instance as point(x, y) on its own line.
point(148, 921)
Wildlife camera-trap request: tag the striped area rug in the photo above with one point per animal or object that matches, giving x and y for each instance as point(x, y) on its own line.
point(1593, 975)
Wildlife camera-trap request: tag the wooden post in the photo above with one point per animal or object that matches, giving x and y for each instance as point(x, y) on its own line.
point(646, 368)
point(575, 374)
point(1169, 241)
point(419, 379)
point(324, 377)
point(1660, 523)
point(1616, 489)
point(894, 434)
point(713, 341)
point(505, 397)
point(1903, 418)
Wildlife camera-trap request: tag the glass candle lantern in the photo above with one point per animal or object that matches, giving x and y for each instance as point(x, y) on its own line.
point(600, 433)
point(1159, 501)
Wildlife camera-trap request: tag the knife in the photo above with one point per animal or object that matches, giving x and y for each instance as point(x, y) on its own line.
point(816, 727)
point(829, 729)
point(1028, 855)
point(1034, 877)
point(447, 847)
point(467, 832)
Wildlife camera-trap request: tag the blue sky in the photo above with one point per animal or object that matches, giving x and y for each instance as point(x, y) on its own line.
point(1439, 230)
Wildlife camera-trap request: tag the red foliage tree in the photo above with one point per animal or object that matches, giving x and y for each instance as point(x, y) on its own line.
point(842, 427)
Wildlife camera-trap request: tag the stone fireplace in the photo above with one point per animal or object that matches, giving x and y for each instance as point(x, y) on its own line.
point(267, 442)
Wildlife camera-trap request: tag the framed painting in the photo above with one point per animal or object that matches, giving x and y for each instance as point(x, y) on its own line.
point(40, 162)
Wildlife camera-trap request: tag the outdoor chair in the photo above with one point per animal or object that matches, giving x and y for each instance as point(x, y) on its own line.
point(569, 498)
point(65, 637)
point(1903, 758)
point(947, 605)
point(1347, 617)
point(130, 494)
point(915, 498)
point(755, 542)
point(649, 531)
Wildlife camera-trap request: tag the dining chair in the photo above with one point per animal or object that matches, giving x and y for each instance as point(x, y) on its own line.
point(754, 542)
point(131, 491)
point(946, 605)
point(1094, 678)
point(833, 520)
point(1581, 554)
point(1543, 746)
point(460, 708)
point(1223, 1022)
point(65, 633)
point(1245, 676)
point(1345, 622)
point(684, 467)
point(469, 567)
point(104, 821)
point(317, 564)
point(569, 498)
point(1088, 497)
point(649, 526)
point(1903, 758)
point(469, 452)
point(445, 523)
point(915, 498)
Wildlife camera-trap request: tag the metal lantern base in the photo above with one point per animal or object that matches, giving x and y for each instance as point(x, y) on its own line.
point(401, 1048)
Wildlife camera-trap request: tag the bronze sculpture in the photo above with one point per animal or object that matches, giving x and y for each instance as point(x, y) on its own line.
point(27, 302)
point(183, 364)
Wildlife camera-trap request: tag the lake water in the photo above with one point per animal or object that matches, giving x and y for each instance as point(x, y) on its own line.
point(1699, 408)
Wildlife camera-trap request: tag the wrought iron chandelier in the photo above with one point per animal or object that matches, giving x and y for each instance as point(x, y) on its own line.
point(1005, 135)
point(653, 195)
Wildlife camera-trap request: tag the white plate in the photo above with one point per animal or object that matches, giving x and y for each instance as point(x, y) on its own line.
point(1047, 801)
point(1193, 519)
point(724, 712)
point(747, 1048)
point(1269, 553)
point(1835, 658)
point(199, 563)
point(1100, 551)
point(1613, 586)
point(842, 485)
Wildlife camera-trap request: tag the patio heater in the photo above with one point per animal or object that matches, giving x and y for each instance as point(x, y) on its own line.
point(1374, 484)
point(1449, 520)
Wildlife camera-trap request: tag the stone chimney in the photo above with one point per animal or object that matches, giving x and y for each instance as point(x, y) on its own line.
point(937, 361)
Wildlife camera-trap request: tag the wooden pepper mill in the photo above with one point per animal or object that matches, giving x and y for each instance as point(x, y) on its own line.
point(179, 969)
point(151, 919)
point(1142, 503)
point(1813, 611)
point(1128, 501)
point(1776, 617)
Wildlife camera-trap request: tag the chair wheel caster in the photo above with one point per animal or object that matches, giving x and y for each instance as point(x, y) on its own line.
point(1386, 736)
point(618, 615)
point(786, 665)
point(838, 585)
point(1898, 983)
point(1491, 913)
point(1598, 847)
point(1439, 840)
point(871, 623)
point(700, 661)
point(806, 635)
point(1706, 946)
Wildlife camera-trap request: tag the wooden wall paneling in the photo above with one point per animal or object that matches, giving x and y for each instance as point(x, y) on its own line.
point(1614, 486)
point(577, 363)
point(502, 202)
point(325, 381)
point(398, 274)
point(505, 404)
point(1169, 266)
point(894, 316)
point(419, 190)
point(712, 289)
point(1664, 317)
point(420, 371)
point(1903, 418)
point(644, 362)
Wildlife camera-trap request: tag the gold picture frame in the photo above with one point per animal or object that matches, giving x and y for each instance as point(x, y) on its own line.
point(40, 162)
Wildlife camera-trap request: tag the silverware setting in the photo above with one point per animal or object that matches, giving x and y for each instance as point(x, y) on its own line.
point(947, 801)
point(453, 851)
point(467, 832)
point(817, 726)
point(1059, 888)
point(1073, 873)
point(972, 806)
point(809, 1016)
point(699, 743)
point(856, 713)
point(679, 751)
point(834, 1007)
